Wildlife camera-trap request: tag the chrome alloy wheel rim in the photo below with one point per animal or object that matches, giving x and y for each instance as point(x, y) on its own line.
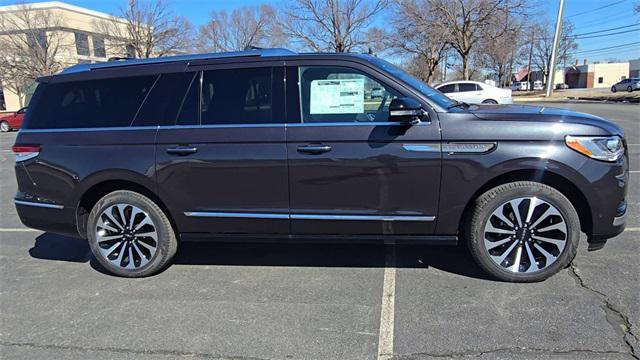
point(126, 236)
point(525, 235)
point(4, 126)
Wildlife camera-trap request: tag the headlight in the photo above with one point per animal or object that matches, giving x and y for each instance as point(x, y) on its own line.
point(606, 148)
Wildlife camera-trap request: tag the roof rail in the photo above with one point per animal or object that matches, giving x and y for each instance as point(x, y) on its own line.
point(117, 58)
point(167, 59)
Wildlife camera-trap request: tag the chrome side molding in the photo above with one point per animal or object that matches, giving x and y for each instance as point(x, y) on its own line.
point(241, 215)
point(38, 204)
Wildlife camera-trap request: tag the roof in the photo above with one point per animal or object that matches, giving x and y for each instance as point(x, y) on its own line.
point(179, 58)
point(462, 82)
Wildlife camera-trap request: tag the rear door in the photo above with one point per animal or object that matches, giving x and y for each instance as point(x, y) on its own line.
point(223, 167)
point(469, 93)
point(351, 171)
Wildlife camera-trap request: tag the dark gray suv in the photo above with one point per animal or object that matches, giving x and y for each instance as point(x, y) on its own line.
point(137, 156)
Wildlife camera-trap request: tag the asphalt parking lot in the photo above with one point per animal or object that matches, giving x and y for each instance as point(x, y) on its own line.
point(316, 301)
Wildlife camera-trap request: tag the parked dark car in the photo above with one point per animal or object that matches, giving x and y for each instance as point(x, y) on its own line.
point(12, 121)
point(140, 155)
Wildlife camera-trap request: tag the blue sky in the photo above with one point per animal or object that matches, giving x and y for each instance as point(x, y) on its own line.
point(587, 16)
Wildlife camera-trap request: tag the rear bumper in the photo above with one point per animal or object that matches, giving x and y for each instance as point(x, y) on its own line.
point(46, 216)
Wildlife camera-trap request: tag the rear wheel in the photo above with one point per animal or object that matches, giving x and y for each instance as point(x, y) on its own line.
point(523, 231)
point(489, 101)
point(130, 235)
point(4, 126)
point(629, 89)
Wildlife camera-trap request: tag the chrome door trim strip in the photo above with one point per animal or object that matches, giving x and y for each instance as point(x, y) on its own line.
point(211, 214)
point(236, 215)
point(39, 204)
point(362, 217)
point(422, 147)
point(89, 129)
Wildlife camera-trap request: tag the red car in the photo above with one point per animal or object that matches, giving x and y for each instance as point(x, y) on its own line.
point(12, 121)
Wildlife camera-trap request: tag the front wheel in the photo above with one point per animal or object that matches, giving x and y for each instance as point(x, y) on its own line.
point(629, 89)
point(490, 101)
point(523, 231)
point(130, 235)
point(613, 89)
point(4, 126)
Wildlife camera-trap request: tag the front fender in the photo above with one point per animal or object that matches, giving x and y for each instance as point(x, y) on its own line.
point(465, 175)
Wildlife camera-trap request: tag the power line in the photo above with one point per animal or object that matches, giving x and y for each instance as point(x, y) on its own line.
point(609, 47)
point(598, 8)
point(605, 30)
point(601, 35)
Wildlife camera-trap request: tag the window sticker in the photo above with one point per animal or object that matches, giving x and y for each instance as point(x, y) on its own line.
point(337, 96)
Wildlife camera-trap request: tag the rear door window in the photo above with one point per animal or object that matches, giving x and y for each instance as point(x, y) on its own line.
point(238, 96)
point(88, 103)
point(163, 102)
point(466, 87)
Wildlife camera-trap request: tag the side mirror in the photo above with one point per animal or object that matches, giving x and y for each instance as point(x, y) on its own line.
point(406, 110)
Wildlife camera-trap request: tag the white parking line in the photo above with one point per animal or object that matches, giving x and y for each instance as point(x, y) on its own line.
point(385, 339)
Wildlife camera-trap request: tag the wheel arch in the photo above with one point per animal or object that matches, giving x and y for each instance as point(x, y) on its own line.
point(556, 181)
point(98, 190)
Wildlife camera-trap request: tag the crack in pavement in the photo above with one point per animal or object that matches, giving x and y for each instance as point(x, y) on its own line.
point(131, 351)
point(521, 350)
point(618, 320)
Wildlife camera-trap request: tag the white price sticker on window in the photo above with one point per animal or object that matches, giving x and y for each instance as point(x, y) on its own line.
point(338, 96)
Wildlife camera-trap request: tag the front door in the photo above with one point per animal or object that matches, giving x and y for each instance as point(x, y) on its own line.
point(351, 171)
point(223, 167)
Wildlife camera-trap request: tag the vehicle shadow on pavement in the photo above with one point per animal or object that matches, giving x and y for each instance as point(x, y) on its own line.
point(452, 259)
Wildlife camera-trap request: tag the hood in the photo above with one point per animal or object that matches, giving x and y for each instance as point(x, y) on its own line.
point(542, 114)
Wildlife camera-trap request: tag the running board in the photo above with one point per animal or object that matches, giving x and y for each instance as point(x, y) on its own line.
point(295, 238)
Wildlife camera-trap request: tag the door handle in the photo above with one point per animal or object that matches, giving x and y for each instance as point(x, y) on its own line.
point(182, 150)
point(314, 149)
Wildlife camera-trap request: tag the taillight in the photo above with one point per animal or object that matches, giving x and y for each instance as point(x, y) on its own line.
point(25, 151)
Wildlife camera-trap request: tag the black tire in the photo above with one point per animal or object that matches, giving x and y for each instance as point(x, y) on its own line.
point(165, 246)
point(490, 201)
point(490, 101)
point(629, 89)
point(4, 126)
point(613, 89)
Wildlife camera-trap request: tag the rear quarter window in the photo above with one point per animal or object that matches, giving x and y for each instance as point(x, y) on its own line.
point(88, 103)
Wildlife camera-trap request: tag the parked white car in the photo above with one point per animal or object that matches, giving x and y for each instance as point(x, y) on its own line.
point(473, 92)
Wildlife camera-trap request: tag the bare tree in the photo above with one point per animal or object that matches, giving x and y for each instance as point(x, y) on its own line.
point(244, 27)
point(147, 28)
point(465, 22)
point(29, 47)
point(543, 46)
point(329, 25)
point(414, 32)
point(499, 46)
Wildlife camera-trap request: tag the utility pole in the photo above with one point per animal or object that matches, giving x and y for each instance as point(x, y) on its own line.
point(556, 42)
point(529, 87)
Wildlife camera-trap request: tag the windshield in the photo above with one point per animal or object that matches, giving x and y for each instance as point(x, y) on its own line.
point(431, 93)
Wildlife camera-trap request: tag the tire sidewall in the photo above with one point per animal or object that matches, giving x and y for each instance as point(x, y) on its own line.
point(512, 191)
point(125, 197)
